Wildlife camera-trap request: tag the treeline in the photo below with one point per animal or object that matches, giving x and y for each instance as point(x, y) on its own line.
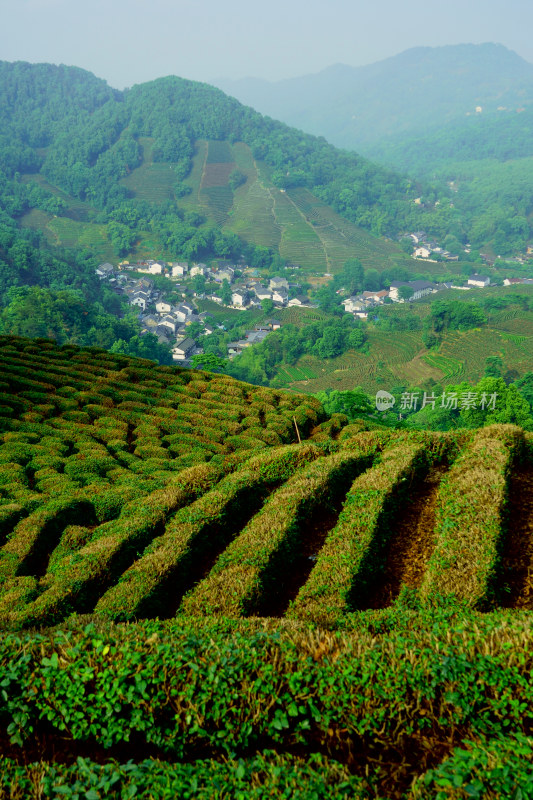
point(502, 136)
point(56, 294)
point(84, 136)
point(325, 339)
point(488, 162)
point(66, 317)
point(494, 399)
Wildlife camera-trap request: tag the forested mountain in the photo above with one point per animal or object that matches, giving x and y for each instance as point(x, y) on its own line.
point(171, 169)
point(176, 167)
point(501, 137)
point(457, 117)
point(354, 107)
point(96, 142)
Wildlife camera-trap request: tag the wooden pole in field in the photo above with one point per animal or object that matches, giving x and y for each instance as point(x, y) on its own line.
point(297, 431)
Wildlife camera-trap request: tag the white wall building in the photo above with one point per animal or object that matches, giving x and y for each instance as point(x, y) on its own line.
point(479, 280)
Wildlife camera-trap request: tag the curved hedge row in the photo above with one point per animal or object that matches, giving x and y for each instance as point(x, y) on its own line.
point(470, 518)
point(351, 554)
point(157, 579)
point(243, 572)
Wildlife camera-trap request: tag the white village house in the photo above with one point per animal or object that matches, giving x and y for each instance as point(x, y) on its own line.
point(179, 270)
point(422, 252)
point(356, 304)
point(183, 349)
point(239, 298)
point(105, 270)
point(263, 294)
point(278, 283)
point(420, 288)
point(169, 321)
point(280, 296)
point(140, 299)
point(479, 280)
point(300, 300)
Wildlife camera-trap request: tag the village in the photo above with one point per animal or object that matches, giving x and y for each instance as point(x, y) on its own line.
point(238, 287)
point(228, 285)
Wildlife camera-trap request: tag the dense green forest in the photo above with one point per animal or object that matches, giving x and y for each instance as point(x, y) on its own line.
point(83, 137)
point(70, 130)
point(462, 406)
point(96, 142)
point(56, 293)
point(501, 137)
point(416, 113)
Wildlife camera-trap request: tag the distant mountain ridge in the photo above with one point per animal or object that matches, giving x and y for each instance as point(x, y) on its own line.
point(353, 107)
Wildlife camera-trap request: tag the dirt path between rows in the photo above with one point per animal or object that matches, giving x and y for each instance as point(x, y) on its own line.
point(412, 542)
point(516, 576)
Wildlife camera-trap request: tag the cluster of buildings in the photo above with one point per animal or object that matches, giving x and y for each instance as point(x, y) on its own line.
point(170, 322)
point(425, 248)
point(244, 283)
point(252, 337)
point(253, 294)
point(360, 305)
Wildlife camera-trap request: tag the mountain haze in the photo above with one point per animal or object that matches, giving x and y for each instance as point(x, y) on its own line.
point(418, 89)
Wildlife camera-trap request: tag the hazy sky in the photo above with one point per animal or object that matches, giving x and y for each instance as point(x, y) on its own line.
point(131, 41)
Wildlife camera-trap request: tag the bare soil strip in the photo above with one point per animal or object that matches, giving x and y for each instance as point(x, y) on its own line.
point(516, 571)
point(313, 534)
point(213, 541)
point(408, 550)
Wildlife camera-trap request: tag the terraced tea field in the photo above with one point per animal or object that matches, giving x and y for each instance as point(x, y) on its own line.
point(303, 228)
point(152, 181)
point(279, 595)
point(342, 239)
point(300, 226)
point(132, 491)
point(390, 359)
point(400, 357)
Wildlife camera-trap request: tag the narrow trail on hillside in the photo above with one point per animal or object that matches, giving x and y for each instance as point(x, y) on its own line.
point(406, 555)
point(516, 575)
point(307, 222)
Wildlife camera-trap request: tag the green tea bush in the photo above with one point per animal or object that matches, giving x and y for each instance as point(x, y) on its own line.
point(483, 770)
point(81, 579)
point(250, 566)
point(34, 538)
point(469, 518)
point(254, 778)
point(351, 556)
point(216, 515)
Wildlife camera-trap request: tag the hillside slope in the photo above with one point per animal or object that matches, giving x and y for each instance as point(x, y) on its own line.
point(179, 167)
point(280, 596)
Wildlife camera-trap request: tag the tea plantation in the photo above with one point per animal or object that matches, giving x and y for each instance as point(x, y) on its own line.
point(212, 590)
